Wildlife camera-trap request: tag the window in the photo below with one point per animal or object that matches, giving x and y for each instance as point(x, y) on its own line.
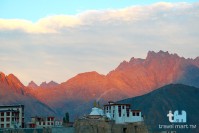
point(2, 125)
point(119, 110)
point(2, 119)
point(7, 125)
point(8, 113)
point(123, 107)
point(8, 119)
point(127, 111)
point(2, 113)
point(133, 113)
point(138, 113)
point(127, 114)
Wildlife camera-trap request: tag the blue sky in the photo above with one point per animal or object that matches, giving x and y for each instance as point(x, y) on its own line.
point(36, 9)
point(44, 40)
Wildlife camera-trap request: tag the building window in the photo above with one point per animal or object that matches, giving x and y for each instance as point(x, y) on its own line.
point(7, 125)
point(17, 114)
point(2, 119)
point(8, 113)
point(2, 113)
point(2, 125)
point(119, 111)
point(8, 119)
point(127, 112)
point(138, 113)
point(123, 107)
point(133, 113)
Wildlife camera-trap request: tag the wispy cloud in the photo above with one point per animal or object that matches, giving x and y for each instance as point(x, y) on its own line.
point(58, 47)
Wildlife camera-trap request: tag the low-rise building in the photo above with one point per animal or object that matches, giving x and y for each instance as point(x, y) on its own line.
point(12, 116)
point(44, 122)
point(122, 113)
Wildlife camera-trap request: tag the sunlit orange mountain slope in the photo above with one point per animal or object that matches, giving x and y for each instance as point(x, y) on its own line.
point(129, 79)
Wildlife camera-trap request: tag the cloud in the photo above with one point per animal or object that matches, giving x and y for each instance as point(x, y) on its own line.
point(53, 24)
point(58, 47)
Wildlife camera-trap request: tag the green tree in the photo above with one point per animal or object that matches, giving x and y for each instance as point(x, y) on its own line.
point(66, 118)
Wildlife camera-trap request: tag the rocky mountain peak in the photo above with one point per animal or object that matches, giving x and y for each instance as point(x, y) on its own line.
point(48, 85)
point(32, 85)
point(14, 81)
point(2, 77)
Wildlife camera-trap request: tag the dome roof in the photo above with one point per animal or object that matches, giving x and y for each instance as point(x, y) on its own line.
point(95, 111)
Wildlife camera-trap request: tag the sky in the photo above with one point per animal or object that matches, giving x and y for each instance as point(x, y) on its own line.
point(44, 40)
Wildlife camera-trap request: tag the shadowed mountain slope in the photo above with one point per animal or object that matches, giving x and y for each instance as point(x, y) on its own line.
point(156, 105)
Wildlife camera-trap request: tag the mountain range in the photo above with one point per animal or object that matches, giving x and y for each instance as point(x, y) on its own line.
point(131, 78)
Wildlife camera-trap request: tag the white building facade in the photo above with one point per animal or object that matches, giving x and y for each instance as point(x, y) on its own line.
point(122, 113)
point(12, 116)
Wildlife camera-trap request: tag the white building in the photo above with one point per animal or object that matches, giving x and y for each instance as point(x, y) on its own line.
point(120, 113)
point(12, 116)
